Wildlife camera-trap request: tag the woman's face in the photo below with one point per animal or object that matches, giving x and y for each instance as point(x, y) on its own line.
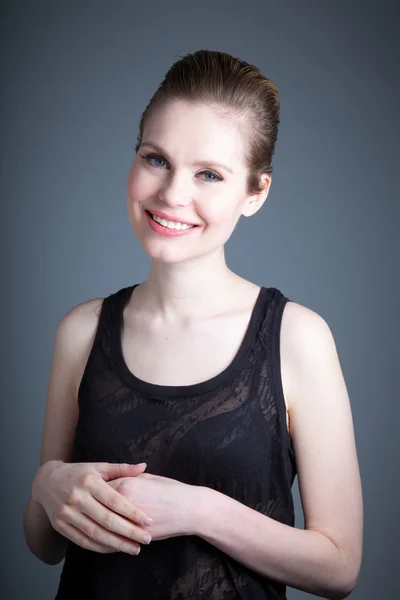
point(174, 172)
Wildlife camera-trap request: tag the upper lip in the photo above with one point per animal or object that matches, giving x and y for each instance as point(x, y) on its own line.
point(163, 215)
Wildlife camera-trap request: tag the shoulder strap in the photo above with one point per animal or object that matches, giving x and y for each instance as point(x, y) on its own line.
point(103, 340)
point(280, 301)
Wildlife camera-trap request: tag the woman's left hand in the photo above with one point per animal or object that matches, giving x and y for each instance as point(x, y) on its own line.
point(170, 503)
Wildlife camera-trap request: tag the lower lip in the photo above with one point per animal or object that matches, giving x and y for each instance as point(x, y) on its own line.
point(164, 230)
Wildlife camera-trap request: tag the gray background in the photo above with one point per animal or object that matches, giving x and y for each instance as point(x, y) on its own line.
point(75, 77)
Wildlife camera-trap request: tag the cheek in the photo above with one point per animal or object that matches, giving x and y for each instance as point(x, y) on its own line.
point(138, 185)
point(220, 212)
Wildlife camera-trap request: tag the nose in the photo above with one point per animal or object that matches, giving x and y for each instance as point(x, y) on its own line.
point(175, 191)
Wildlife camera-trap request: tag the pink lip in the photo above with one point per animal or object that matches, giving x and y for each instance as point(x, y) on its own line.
point(164, 230)
point(163, 215)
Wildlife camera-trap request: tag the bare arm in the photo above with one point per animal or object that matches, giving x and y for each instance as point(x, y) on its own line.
point(72, 344)
point(324, 558)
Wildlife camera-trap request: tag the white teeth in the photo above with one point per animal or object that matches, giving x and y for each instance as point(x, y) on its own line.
point(171, 224)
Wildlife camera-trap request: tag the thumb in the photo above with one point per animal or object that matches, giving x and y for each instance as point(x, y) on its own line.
point(110, 471)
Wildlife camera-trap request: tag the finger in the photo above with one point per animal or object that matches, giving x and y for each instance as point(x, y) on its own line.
point(77, 536)
point(96, 533)
point(109, 497)
point(111, 521)
point(110, 471)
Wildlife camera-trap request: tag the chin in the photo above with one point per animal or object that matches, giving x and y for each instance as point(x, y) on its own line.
point(167, 255)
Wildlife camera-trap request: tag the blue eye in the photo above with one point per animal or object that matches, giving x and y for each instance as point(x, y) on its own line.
point(217, 177)
point(149, 157)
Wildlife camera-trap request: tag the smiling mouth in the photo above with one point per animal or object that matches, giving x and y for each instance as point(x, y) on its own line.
point(191, 225)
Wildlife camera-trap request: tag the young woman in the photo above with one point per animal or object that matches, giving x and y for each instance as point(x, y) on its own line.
point(225, 389)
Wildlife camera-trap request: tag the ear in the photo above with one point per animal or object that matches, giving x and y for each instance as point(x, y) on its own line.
point(254, 202)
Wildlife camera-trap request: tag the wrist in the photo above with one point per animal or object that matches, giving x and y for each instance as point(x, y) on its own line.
point(198, 510)
point(41, 475)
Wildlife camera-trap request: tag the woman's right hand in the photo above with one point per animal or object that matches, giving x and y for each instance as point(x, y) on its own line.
point(82, 507)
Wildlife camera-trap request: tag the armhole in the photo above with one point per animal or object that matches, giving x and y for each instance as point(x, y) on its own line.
point(277, 370)
point(99, 329)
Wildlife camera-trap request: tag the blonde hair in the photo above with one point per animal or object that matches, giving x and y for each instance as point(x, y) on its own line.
point(238, 91)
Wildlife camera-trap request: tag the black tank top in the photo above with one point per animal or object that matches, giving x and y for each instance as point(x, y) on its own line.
point(232, 437)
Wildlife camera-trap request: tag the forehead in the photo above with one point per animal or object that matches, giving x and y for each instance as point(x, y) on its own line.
point(191, 132)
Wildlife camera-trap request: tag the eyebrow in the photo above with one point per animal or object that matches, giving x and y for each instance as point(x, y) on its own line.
point(200, 163)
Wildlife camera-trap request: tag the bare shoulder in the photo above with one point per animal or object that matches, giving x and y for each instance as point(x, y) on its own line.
point(73, 341)
point(79, 327)
point(304, 333)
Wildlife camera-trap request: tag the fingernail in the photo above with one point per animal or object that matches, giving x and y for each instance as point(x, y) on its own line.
point(146, 539)
point(142, 465)
point(147, 521)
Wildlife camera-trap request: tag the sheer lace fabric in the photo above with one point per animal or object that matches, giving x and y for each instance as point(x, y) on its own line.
point(228, 433)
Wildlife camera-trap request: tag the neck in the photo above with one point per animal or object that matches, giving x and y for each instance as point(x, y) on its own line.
point(187, 291)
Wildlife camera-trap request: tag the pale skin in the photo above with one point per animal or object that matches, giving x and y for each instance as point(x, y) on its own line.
point(189, 292)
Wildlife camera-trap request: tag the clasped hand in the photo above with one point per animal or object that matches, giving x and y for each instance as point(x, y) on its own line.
point(101, 506)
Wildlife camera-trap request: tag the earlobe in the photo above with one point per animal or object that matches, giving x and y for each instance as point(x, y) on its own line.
point(255, 202)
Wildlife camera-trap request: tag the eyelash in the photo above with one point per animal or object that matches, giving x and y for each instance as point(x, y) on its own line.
point(147, 157)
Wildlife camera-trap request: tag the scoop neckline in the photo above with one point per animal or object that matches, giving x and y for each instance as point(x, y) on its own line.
point(181, 390)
